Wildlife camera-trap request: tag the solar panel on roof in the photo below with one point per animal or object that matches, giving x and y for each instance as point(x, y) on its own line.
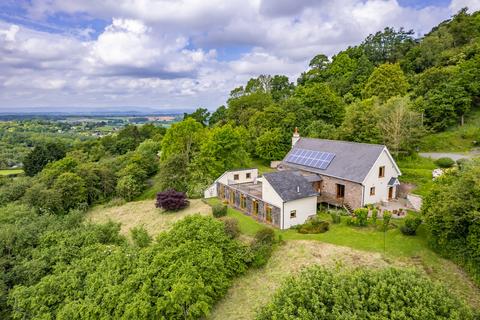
point(310, 158)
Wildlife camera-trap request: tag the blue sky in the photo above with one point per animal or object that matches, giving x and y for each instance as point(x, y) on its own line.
point(69, 55)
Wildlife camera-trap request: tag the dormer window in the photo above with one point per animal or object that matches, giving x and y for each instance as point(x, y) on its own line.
point(381, 172)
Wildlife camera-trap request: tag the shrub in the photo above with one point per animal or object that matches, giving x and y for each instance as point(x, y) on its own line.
point(387, 216)
point(374, 216)
point(265, 235)
point(336, 218)
point(231, 226)
point(262, 247)
point(362, 215)
point(171, 200)
point(412, 222)
point(140, 237)
point(219, 210)
point(444, 162)
point(319, 293)
point(314, 225)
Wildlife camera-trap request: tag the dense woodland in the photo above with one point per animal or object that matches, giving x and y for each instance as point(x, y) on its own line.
point(391, 89)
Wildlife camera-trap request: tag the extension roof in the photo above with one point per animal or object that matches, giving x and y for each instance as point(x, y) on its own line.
point(290, 185)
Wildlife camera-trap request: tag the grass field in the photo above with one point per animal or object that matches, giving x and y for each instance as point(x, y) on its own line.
point(8, 172)
point(418, 171)
point(457, 139)
point(144, 213)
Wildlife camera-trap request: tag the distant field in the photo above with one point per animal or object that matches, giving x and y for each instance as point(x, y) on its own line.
point(8, 172)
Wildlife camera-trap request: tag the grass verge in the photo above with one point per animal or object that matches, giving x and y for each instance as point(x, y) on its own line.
point(8, 172)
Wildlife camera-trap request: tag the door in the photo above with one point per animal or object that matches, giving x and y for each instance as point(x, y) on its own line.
point(390, 193)
point(340, 191)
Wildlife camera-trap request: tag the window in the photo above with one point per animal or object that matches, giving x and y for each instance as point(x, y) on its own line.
point(249, 175)
point(235, 177)
point(232, 197)
point(340, 191)
point(255, 208)
point(243, 201)
point(381, 172)
point(222, 191)
point(372, 191)
point(293, 214)
point(268, 213)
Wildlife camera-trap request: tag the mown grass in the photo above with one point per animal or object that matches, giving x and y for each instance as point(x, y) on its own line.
point(418, 171)
point(457, 139)
point(7, 172)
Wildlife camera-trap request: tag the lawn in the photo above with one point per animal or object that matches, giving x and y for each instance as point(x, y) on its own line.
point(356, 245)
point(418, 171)
point(8, 172)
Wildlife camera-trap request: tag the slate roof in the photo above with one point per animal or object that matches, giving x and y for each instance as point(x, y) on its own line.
point(286, 184)
point(352, 160)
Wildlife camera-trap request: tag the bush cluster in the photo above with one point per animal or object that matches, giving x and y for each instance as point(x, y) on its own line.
point(180, 276)
point(219, 210)
point(411, 224)
point(231, 226)
point(318, 293)
point(445, 162)
point(314, 225)
point(171, 200)
point(262, 246)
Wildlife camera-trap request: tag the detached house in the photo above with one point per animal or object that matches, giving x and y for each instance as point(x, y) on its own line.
point(341, 173)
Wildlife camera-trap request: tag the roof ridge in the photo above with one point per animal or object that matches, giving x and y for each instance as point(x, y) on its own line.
point(343, 141)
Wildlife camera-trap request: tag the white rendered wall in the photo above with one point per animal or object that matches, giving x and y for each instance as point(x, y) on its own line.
point(270, 195)
point(228, 178)
point(380, 184)
point(305, 208)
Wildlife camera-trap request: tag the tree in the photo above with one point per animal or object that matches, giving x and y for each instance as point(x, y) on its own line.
point(171, 200)
point(271, 145)
point(451, 215)
point(41, 155)
point(223, 149)
point(281, 88)
point(71, 189)
point(174, 173)
point(200, 115)
point(361, 122)
point(323, 102)
point(322, 130)
point(388, 45)
point(319, 62)
point(240, 109)
point(128, 187)
point(218, 116)
point(386, 81)
point(400, 126)
point(184, 137)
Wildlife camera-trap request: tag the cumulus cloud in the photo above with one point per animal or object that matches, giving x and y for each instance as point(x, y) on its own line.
point(181, 53)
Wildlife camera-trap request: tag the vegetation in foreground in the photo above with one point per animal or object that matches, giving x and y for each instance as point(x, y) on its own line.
point(318, 293)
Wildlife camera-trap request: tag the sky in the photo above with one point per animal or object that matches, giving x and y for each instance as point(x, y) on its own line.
point(70, 55)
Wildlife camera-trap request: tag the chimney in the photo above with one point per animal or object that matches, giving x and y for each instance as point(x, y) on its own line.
point(295, 137)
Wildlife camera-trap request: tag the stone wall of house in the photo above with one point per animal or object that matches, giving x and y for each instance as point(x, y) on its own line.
point(353, 192)
point(248, 210)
